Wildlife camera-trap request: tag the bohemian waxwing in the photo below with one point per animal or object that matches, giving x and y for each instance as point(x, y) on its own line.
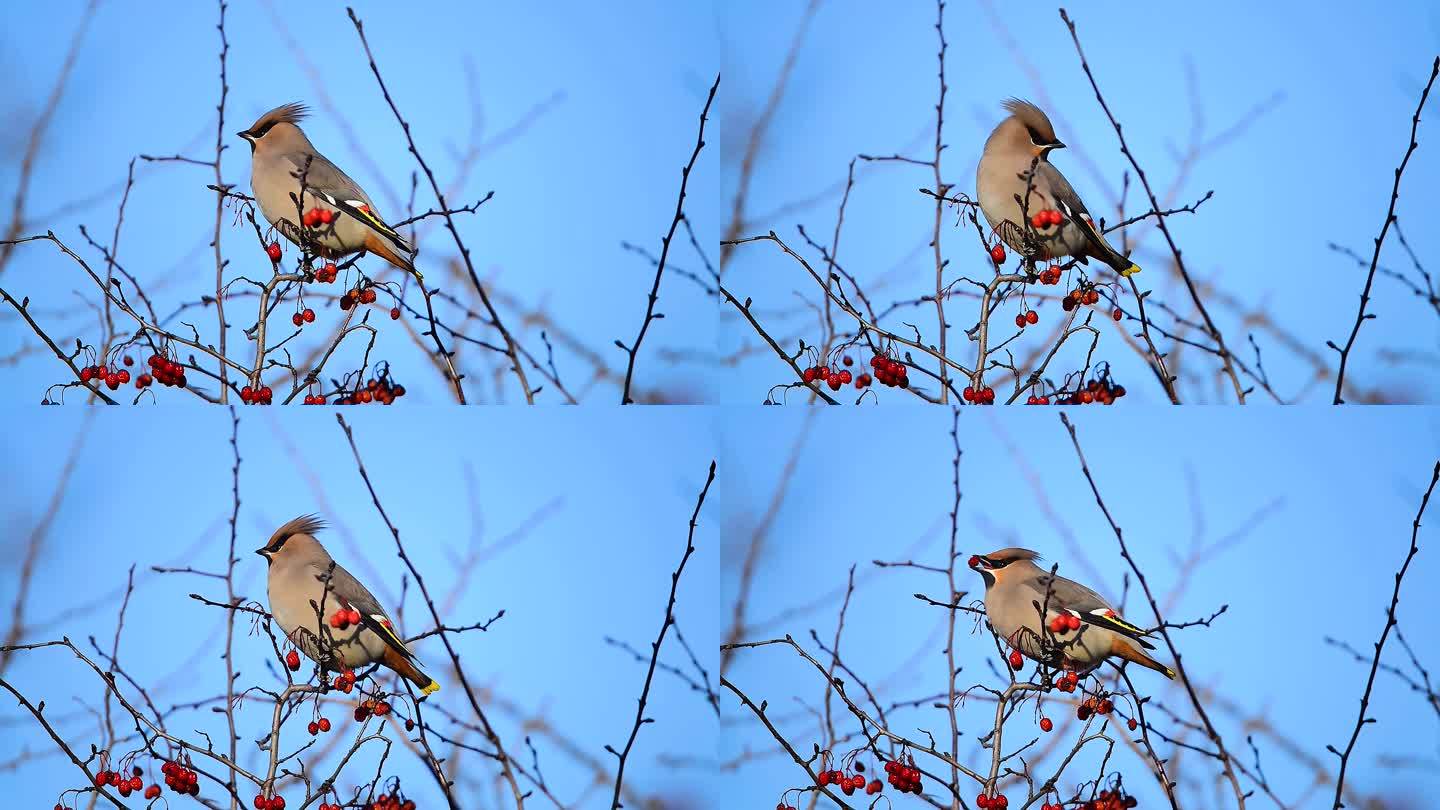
point(1021, 141)
point(280, 156)
point(304, 607)
point(1016, 589)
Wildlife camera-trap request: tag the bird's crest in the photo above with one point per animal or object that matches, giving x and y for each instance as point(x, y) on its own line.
point(292, 113)
point(305, 524)
point(1008, 555)
point(1034, 119)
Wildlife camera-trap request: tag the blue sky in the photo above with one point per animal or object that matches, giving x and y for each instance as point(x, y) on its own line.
point(1308, 514)
point(606, 498)
point(608, 105)
point(1338, 88)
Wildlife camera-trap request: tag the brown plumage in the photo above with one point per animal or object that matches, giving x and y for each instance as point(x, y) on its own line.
point(307, 589)
point(1014, 181)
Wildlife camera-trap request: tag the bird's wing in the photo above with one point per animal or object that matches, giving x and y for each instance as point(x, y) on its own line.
point(325, 179)
point(1069, 203)
point(346, 589)
point(1066, 594)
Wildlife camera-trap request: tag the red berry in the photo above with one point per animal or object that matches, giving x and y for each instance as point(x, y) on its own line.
point(394, 313)
point(102, 778)
point(1073, 622)
point(1032, 317)
point(152, 791)
point(997, 254)
point(1132, 724)
point(273, 251)
point(277, 803)
point(1016, 661)
point(1055, 217)
point(326, 216)
point(308, 315)
point(1020, 321)
point(1045, 724)
point(1117, 314)
point(313, 728)
point(1040, 219)
point(874, 787)
point(297, 319)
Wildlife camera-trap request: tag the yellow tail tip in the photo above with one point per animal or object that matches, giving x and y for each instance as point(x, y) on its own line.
point(434, 687)
point(1130, 271)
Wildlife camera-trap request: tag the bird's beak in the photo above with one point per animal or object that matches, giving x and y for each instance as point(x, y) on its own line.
point(244, 134)
point(1057, 145)
point(262, 552)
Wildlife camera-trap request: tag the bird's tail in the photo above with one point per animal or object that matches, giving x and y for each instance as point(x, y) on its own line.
point(1129, 652)
point(387, 251)
point(407, 669)
point(1101, 249)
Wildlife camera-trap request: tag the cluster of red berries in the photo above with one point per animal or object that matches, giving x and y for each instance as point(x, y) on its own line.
point(272, 803)
point(370, 706)
point(390, 801)
point(345, 681)
point(361, 295)
point(318, 726)
point(1079, 296)
point(111, 379)
point(889, 371)
point(904, 778)
point(1062, 623)
point(257, 396)
point(344, 617)
point(1100, 390)
point(303, 317)
point(167, 372)
point(1029, 317)
point(1094, 705)
point(180, 778)
point(318, 216)
point(1039, 399)
point(1041, 219)
point(1106, 800)
point(849, 784)
point(998, 801)
point(125, 785)
point(1066, 681)
point(327, 273)
point(979, 396)
point(833, 377)
point(380, 390)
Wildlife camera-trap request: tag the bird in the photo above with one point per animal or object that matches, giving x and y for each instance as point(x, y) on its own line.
point(1016, 592)
point(345, 220)
point(307, 588)
point(1016, 158)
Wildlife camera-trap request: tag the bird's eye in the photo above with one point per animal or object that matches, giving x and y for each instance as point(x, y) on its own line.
point(260, 133)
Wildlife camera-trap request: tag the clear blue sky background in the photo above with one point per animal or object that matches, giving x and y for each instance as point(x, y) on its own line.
point(1316, 168)
point(609, 102)
point(607, 496)
point(1329, 499)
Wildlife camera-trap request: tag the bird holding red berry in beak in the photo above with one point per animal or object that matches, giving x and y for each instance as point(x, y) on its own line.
point(331, 215)
point(326, 612)
point(1055, 620)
